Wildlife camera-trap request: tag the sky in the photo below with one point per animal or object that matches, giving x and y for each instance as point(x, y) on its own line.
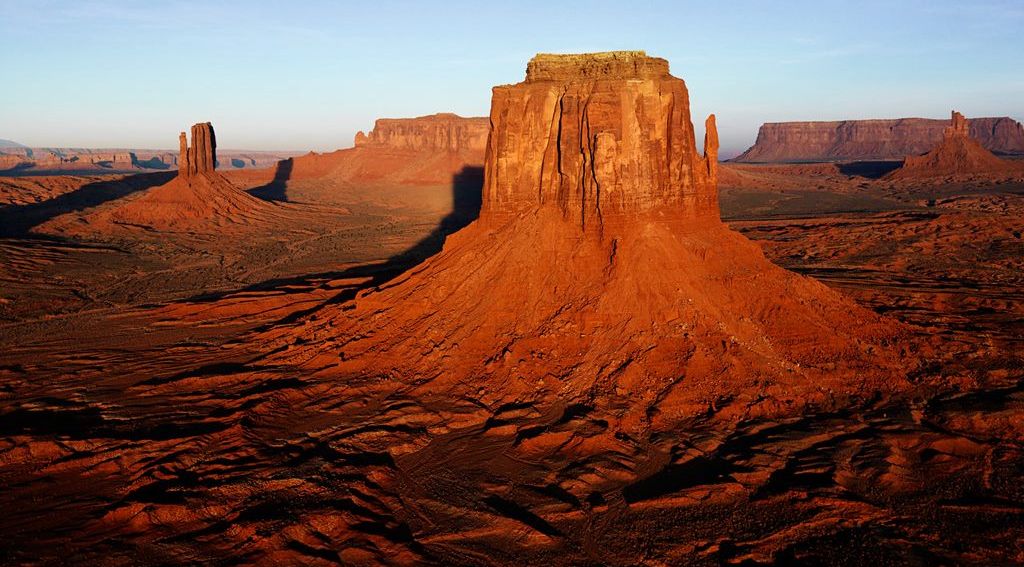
point(306, 75)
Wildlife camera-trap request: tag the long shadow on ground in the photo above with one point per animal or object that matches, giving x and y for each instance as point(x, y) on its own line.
point(19, 220)
point(277, 189)
point(466, 200)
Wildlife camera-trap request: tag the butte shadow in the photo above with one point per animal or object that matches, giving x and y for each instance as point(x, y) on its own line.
point(19, 220)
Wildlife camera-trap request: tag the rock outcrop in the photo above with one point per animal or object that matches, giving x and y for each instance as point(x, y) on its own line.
point(957, 154)
point(853, 140)
point(201, 157)
point(599, 270)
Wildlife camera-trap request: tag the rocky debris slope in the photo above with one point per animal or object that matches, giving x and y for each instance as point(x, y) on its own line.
point(852, 140)
point(599, 267)
point(957, 154)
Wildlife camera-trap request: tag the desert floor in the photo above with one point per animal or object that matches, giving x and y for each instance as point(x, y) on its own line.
point(141, 423)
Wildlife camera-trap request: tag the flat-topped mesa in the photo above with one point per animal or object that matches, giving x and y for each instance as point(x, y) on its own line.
point(599, 136)
point(445, 132)
point(201, 156)
point(884, 139)
point(592, 66)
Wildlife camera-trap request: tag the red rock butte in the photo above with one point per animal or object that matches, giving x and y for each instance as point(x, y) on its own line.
point(957, 154)
point(597, 136)
point(201, 156)
point(197, 198)
point(599, 264)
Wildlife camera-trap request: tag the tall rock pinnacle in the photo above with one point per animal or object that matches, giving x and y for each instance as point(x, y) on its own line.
point(201, 156)
point(598, 135)
point(183, 155)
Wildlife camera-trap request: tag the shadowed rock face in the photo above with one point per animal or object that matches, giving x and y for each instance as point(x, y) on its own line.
point(597, 136)
point(201, 156)
point(873, 139)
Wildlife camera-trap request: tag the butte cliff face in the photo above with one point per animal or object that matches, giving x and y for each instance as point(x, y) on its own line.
point(597, 136)
point(957, 154)
point(850, 140)
point(599, 267)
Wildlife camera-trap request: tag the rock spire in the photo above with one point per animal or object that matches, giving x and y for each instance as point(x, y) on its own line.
point(201, 156)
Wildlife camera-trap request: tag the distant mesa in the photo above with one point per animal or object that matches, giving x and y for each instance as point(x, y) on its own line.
point(861, 140)
point(957, 154)
point(437, 132)
point(428, 150)
point(599, 268)
point(10, 144)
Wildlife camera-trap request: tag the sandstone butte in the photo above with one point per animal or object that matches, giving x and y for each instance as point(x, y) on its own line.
point(957, 154)
point(851, 140)
point(599, 268)
point(428, 150)
point(197, 195)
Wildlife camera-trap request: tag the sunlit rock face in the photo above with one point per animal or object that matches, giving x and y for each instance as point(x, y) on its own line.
point(598, 135)
point(201, 156)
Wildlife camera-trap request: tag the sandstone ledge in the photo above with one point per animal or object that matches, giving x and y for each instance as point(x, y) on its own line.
point(591, 66)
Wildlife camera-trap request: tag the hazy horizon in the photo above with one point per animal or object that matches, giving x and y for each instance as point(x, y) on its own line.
point(297, 77)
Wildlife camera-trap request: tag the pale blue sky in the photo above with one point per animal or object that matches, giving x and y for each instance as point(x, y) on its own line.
point(307, 74)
